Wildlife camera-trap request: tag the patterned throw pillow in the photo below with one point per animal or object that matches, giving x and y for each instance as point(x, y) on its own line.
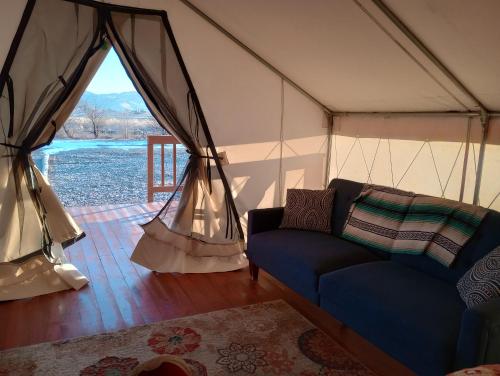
point(307, 209)
point(482, 282)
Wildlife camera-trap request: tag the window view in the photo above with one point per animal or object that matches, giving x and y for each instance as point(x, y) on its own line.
point(99, 156)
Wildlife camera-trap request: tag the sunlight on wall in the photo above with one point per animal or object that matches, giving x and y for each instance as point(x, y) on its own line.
point(433, 168)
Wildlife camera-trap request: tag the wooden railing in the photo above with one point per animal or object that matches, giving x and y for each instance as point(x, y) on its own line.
point(162, 141)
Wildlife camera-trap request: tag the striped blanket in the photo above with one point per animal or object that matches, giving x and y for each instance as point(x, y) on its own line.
point(397, 221)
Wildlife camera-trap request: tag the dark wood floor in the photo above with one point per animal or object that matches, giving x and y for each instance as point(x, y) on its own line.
point(122, 294)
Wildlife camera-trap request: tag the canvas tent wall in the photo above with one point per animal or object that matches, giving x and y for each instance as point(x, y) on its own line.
point(340, 55)
point(352, 58)
point(341, 52)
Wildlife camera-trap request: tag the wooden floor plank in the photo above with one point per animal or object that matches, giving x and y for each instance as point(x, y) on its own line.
point(110, 314)
point(90, 314)
point(115, 279)
point(122, 294)
point(141, 295)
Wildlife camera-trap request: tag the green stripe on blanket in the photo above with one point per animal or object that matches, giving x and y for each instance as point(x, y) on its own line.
point(360, 240)
point(402, 222)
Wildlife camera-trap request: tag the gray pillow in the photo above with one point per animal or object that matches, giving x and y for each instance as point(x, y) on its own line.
point(308, 209)
point(482, 282)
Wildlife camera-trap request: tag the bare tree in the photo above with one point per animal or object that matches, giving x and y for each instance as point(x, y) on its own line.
point(65, 128)
point(95, 115)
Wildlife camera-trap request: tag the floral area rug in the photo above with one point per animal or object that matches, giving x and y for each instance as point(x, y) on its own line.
point(262, 339)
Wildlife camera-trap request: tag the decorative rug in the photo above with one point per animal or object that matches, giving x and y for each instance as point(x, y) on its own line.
point(262, 339)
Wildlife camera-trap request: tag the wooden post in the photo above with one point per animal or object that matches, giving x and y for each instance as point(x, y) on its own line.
point(162, 141)
point(150, 168)
point(174, 156)
point(162, 164)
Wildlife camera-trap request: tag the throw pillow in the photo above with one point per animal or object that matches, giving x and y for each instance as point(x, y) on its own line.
point(308, 209)
point(482, 282)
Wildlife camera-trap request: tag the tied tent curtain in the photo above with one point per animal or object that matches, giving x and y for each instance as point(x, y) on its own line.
point(198, 230)
point(54, 54)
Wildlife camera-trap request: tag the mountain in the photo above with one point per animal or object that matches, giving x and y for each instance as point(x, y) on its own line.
point(114, 104)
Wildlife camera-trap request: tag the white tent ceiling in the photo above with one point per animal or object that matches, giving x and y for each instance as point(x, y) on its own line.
point(345, 59)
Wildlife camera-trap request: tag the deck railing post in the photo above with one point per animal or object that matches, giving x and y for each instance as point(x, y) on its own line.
point(174, 154)
point(163, 187)
point(150, 169)
point(163, 164)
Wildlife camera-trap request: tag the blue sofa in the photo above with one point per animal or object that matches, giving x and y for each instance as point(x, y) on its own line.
point(406, 305)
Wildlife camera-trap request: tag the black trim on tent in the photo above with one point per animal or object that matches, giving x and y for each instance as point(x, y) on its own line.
point(204, 124)
point(71, 82)
point(16, 42)
point(104, 14)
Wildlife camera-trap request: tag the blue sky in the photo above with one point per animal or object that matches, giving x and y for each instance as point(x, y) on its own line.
point(111, 77)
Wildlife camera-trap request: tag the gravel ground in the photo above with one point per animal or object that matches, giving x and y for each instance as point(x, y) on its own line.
point(100, 172)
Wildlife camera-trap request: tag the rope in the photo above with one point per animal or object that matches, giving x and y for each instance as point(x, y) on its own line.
point(466, 160)
point(390, 161)
point(280, 177)
point(411, 163)
point(373, 162)
point(452, 168)
point(346, 158)
point(436, 169)
point(336, 154)
point(328, 150)
point(363, 156)
point(491, 203)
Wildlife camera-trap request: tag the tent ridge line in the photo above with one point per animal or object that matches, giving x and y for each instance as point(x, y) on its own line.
point(416, 113)
point(427, 52)
point(412, 56)
point(258, 57)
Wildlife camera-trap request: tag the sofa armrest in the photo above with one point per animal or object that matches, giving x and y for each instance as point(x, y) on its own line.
point(479, 340)
point(260, 220)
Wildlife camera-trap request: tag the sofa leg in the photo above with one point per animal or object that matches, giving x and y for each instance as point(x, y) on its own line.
point(254, 271)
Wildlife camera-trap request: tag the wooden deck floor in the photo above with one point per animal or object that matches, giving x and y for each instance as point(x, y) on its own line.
point(122, 294)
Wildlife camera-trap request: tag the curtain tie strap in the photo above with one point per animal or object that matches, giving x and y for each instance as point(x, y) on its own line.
point(196, 155)
point(63, 81)
point(21, 149)
point(209, 167)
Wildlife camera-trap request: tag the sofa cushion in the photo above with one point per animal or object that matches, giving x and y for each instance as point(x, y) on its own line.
point(412, 316)
point(308, 209)
point(482, 282)
point(483, 241)
point(298, 258)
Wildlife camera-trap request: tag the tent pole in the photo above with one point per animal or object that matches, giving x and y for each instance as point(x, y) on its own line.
point(263, 61)
point(329, 119)
point(427, 52)
point(466, 160)
point(485, 124)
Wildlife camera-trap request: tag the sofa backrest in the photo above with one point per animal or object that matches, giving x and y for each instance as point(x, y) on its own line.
point(486, 238)
point(345, 193)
